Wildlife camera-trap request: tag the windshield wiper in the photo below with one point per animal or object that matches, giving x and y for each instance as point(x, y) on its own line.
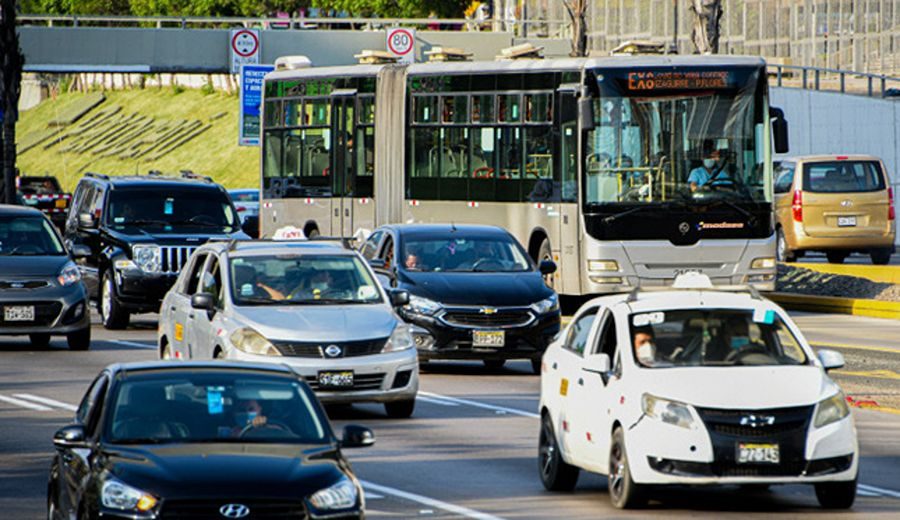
point(199, 224)
point(142, 222)
point(649, 205)
point(145, 440)
point(751, 218)
point(322, 301)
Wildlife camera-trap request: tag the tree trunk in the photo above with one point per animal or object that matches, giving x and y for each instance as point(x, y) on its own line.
point(705, 34)
point(11, 62)
point(576, 10)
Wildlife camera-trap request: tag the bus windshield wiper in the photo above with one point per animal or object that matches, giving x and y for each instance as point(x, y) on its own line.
point(612, 218)
point(749, 216)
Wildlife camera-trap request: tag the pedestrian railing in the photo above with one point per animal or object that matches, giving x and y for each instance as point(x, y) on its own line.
point(844, 81)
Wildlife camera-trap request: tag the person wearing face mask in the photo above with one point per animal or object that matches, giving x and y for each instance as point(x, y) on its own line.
point(711, 172)
point(645, 346)
point(247, 412)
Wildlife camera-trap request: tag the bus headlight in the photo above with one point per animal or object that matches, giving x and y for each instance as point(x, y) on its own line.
point(763, 263)
point(603, 265)
point(252, 342)
point(831, 410)
point(669, 412)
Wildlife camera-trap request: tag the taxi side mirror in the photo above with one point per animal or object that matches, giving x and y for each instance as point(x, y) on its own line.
point(831, 359)
point(399, 297)
point(80, 251)
point(598, 364)
point(87, 221)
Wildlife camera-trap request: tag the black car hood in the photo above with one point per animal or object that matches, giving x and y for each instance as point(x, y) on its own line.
point(26, 266)
point(277, 471)
point(493, 289)
point(157, 235)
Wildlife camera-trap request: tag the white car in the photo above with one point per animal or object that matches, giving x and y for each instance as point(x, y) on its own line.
point(693, 386)
point(313, 306)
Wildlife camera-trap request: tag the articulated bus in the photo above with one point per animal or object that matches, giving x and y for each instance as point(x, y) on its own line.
point(591, 162)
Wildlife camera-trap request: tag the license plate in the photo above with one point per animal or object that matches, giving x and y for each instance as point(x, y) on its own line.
point(488, 338)
point(754, 453)
point(19, 313)
point(61, 203)
point(343, 379)
point(846, 221)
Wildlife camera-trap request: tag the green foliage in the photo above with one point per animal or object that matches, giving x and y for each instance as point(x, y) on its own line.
point(397, 8)
point(177, 89)
point(207, 88)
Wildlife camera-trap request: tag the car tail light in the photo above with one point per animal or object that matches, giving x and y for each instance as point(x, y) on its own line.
point(891, 214)
point(239, 209)
point(797, 206)
point(842, 157)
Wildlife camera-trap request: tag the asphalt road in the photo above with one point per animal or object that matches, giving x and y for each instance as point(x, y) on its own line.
point(470, 449)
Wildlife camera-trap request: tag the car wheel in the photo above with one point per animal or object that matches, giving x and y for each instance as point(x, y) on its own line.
point(545, 253)
point(80, 339)
point(220, 354)
point(623, 492)
point(494, 364)
point(556, 474)
point(782, 253)
point(836, 495)
point(111, 313)
point(166, 352)
point(880, 256)
point(836, 257)
point(400, 409)
point(536, 365)
point(39, 340)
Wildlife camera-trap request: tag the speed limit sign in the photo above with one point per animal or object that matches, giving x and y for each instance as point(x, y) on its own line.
point(401, 43)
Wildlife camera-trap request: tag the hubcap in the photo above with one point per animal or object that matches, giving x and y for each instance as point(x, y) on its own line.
point(547, 450)
point(106, 299)
point(616, 472)
point(781, 247)
point(167, 353)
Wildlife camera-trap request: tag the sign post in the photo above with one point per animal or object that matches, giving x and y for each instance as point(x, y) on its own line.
point(243, 48)
point(401, 42)
point(251, 103)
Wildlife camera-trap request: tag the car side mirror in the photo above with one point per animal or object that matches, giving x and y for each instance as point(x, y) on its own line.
point(831, 359)
point(376, 263)
point(547, 267)
point(357, 437)
point(399, 297)
point(80, 251)
point(87, 221)
point(586, 113)
point(598, 364)
point(779, 130)
point(71, 436)
point(203, 302)
point(250, 226)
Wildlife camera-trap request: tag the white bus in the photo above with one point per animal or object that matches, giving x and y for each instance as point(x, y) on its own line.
point(596, 163)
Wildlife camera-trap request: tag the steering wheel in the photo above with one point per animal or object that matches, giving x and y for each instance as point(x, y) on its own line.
point(483, 172)
point(201, 219)
point(486, 261)
point(326, 294)
point(272, 425)
point(751, 348)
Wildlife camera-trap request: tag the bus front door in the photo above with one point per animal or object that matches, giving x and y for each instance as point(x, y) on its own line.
point(569, 281)
point(342, 164)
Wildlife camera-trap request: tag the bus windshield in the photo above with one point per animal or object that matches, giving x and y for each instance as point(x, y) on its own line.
point(664, 135)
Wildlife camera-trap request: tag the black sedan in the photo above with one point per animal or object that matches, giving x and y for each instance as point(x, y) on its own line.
point(475, 293)
point(202, 440)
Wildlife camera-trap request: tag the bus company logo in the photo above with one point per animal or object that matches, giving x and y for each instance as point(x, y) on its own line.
point(684, 227)
point(719, 225)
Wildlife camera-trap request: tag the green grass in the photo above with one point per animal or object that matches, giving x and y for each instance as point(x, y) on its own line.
point(214, 152)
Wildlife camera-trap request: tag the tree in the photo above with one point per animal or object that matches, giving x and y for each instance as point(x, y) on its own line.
point(11, 62)
point(397, 8)
point(576, 10)
point(705, 33)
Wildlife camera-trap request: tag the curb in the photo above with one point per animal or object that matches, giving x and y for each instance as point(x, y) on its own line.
point(875, 273)
point(856, 307)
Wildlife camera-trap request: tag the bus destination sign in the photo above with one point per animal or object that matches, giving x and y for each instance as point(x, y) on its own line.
point(678, 80)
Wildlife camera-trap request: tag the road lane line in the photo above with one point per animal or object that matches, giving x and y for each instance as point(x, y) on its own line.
point(501, 409)
point(48, 402)
point(430, 502)
point(25, 404)
point(435, 401)
point(863, 493)
point(130, 343)
point(882, 491)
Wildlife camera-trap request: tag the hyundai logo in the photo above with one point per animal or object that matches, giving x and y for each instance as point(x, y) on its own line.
point(234, 510)
point(757, 421)
point(684, 227)
point(333, 351)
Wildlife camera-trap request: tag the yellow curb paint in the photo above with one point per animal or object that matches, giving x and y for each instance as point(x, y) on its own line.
point(872, 348)
point(855, 307)
point(875, 374)
point(875, 273)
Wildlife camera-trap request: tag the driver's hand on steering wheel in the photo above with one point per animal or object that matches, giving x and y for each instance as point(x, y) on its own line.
point(259, 420)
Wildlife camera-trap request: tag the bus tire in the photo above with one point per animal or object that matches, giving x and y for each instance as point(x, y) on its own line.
point(546, 253)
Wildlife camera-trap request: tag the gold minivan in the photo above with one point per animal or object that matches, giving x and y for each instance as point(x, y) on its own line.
point(838, 204)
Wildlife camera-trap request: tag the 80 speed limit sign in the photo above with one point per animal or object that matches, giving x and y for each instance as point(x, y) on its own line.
point(401, 43)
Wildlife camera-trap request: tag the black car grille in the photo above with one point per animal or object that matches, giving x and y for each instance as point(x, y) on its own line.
point(209, 509)
point(360, 382)
point(318, 349)
point(175, 257)
point(476, 318)
point(23, 284)
point(45, 313)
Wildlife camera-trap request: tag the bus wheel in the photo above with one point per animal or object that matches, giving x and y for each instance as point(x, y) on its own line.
point(545, 253)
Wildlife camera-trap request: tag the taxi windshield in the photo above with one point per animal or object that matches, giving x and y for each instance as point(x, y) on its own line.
point(713, 337)
point(302, 279)
point(213, 407)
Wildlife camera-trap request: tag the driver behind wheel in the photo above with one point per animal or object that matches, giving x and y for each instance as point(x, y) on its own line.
point(734, 336)
point(247, 414)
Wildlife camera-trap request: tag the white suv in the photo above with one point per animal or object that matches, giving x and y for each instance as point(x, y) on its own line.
point(313, 306)
point(693, 386)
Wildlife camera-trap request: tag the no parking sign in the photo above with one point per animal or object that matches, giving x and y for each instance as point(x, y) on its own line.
point(401, 42)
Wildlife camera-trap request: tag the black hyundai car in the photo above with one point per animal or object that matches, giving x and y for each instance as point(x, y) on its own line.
point(202, 440)
point(475, 293)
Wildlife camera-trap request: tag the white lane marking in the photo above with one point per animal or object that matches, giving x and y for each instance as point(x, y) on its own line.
point(499, 409)
point(430, 502)
point(435, 401)
point(24, 404)
point(130, 343)
point(861, 492)
point(48, 402)
point(881, 491)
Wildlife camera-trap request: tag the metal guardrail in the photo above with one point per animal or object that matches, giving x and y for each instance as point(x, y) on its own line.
point(811, 78)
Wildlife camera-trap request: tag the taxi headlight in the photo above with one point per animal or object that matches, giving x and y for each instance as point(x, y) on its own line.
point(401, 339)
point(341, 495)
point(603, 265)
point(424, 306)
point(116, 494)
point(252, 342)
point(670, 412)
point(147, 257)
point(548, 305)
point(763, 263)
point(70, 274)
point(831, 410)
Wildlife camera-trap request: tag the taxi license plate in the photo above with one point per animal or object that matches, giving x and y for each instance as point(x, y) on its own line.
point(342, 379)
point(846, 221)
point(754, 453)
point(488, 338)
point(61, 203)
point(19, 313)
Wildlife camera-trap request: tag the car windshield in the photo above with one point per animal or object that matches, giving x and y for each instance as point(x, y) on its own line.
point(306, 279)
point(28, 236)
point(720, 337)
point(213, 407)
point(205, 208)
point(842, 176)
point(39, 185)
point(454, 253)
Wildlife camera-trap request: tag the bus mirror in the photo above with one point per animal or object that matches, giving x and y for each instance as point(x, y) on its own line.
point(779, 130)
point(586, 113)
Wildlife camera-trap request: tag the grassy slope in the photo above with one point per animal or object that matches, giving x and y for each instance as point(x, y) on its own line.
point(214, 152)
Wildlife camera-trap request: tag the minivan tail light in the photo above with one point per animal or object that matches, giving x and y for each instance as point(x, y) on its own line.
point(891, 214)
point(797, 206)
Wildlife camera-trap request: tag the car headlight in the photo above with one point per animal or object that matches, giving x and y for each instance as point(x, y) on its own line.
point(147, 257)
point(670, 412)
point(70, 274)
point(115, 494)
point(401, 339)
point(252, 342)
point(419, 305)
point(550, 304)
point(763, 263)
point(341, 495)
point(831, 410)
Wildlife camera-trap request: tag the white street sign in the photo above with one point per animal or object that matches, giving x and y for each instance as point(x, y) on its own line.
point(243, 48)
point(401, 42)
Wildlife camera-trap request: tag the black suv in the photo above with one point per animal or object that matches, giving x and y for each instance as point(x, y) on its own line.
point(141, 230)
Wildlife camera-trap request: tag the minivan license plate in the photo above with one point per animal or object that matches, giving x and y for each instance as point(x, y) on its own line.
point(846, 221)
point(488, 338)
point(18, 313)
point(754, 453)
point(342, 379)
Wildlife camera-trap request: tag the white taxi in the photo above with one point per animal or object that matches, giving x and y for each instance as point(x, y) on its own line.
point(693, 385)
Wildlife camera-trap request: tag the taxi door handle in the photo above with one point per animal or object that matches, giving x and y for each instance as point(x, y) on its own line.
point(172, 308)
point(337, 212)
point(554, 365)
point(347, 212)
point(190, 316)
point(581, 381)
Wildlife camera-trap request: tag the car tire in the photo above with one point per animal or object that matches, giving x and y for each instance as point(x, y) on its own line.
point(165, 353)
point(494, 364)
point(556, 473)
point(536, 365)
point(880, 256)
point(836, 257)
point(400, 409)
point(112, 314)
point(782, 253)
point(546, 253)
point(623, 492)
point(836, 495)
point(80, 339)
point(41, 340)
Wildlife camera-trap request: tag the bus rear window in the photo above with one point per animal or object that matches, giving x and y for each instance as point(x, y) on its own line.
point(843, 176)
